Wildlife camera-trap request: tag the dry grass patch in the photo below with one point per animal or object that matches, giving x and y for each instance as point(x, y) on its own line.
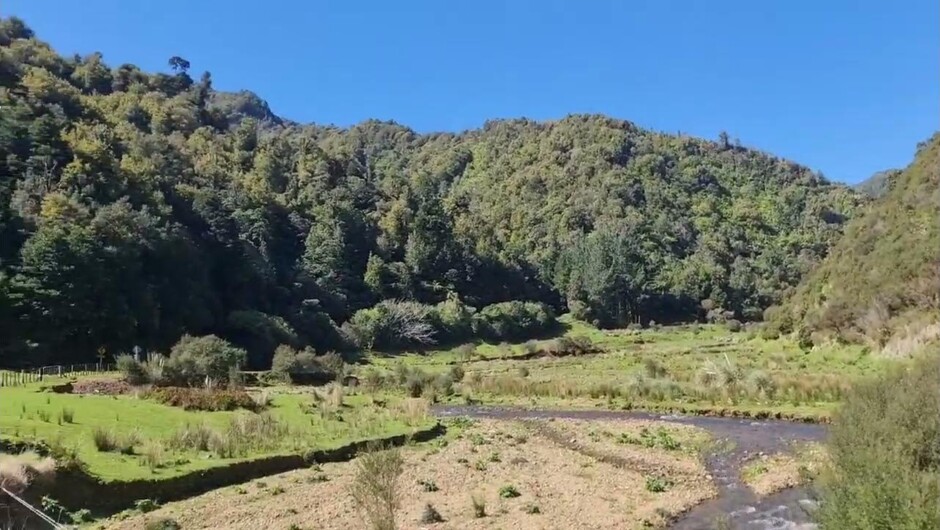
point(771, 473)
point(533, 482)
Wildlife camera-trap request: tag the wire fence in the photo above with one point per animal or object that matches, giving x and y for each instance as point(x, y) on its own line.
point(33, 375)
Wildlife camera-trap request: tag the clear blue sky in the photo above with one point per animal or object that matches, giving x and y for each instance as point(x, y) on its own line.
point(846, 87)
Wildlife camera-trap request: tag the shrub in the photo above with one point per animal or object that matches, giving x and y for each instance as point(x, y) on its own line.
point(146, 505)
point(734, 325)
point(466, 352)
point(289, 362)
point(82, 516)
point(452, 319)
point(428, 485)
point(654, 369)
point(194, 360)
point(479, 506)
point(513, 320)
point(456, 373)
point(884, 448)
point(531, 509)
point(657, 484)
point(43, 415)
point(430, 515)
point(392, 323)
point(204, 399)
point(509, 492)
point(163, 523)
point(133, 371)
point(375, 487)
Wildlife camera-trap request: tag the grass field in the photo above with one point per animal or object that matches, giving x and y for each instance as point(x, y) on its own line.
point(693, 368)
point(29, 414)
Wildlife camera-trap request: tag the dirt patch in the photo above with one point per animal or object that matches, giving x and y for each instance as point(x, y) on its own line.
point(559, 486)
point(107, 387)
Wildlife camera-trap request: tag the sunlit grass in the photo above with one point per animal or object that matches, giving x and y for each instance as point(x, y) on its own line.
point(23, 410)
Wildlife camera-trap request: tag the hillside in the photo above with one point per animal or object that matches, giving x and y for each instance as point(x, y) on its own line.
point(881, 282)
point(878, 184)
point(135, 207)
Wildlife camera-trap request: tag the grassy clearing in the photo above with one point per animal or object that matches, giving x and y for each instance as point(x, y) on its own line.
point(529, 481)
point(135, 435)
point(692, 368)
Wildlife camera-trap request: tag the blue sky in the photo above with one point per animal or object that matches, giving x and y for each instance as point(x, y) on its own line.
point(845, 87)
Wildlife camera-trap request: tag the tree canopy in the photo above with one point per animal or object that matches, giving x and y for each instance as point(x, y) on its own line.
point(137, 207)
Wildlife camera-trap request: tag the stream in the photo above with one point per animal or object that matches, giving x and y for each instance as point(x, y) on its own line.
point(785, 510)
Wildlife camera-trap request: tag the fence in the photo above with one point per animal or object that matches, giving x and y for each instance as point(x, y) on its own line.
point(32, 375)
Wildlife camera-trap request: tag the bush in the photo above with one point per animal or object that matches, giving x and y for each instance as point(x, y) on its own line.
point(734, 325)
point(466, 352)
point(885, 453)
point(204, 399)
point(452, 319)
point(428, 485)
point(430, 515)
point(479, 506)
point(146, 505)
point(513, 320)
point(133, 371)
point(163, 523)
point(289, 363)
point(195, 360)
point(657, 484)
point(509, 492)
point(392, 324)
point(375, 487)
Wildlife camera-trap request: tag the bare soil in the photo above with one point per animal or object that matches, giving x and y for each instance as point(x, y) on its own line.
point(573, 480)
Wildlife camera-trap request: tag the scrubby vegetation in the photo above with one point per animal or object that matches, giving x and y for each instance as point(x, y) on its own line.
point(204, 399)
point(885, 453)
point(376, 490)
point(206, 361)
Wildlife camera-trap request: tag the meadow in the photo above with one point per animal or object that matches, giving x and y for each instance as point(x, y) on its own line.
point(146, 435)
point(691, 368)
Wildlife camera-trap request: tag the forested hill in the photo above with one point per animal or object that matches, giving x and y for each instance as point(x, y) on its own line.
point(881, 283)
point(138, 206)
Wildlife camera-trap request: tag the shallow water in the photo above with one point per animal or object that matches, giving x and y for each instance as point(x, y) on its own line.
point(735, 503)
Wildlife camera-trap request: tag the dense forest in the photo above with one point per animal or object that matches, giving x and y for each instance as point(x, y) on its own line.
point(881, 283)
point(136, 207)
